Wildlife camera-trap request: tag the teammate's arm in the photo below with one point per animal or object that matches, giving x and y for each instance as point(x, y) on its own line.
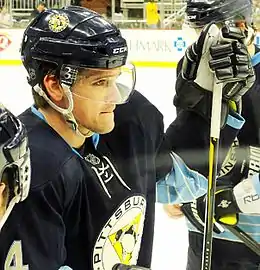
point(182, 184)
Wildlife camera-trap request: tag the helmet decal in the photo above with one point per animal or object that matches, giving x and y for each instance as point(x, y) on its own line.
point(58, 22)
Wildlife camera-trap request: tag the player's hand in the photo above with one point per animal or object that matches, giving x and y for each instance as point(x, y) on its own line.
point(231, 63)
point(218, 56)
point(173, 210)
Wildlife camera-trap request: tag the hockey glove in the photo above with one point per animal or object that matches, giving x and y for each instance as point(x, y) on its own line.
point(229, 202)
point(195, 211)
point(233, 196)
point(245, 177)
point(243, 198)
point(217, 54)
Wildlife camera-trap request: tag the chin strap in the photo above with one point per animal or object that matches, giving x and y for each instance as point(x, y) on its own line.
point(66, 113)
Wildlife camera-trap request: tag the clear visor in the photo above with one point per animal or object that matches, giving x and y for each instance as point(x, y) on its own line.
point(113, 86)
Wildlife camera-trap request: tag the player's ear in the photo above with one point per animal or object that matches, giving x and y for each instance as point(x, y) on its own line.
point(4, 181)
point(2, 187)
point(2, 197)
point(53, 88)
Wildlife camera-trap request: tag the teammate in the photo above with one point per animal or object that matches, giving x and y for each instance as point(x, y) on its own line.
point(14, 173)
point(15, 163)
point(86, 210)
point(243, 158)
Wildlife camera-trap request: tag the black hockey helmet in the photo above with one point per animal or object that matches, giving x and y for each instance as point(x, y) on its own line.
point(72, 36)
point(14, 153)
point(201, 12)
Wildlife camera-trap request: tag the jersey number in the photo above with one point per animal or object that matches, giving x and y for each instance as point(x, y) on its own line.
point(14, 259)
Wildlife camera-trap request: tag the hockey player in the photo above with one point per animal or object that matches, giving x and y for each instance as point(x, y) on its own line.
point(241, 162)
point(87, 203)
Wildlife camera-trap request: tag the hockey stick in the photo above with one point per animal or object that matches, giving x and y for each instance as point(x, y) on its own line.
point(213, 162)
point(247, 239)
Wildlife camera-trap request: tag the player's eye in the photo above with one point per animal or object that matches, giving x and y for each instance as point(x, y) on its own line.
point(101, 82)
point(104, 82)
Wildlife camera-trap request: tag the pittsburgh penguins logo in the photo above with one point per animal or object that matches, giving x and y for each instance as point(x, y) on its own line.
point(120, 238)
point(125, 239)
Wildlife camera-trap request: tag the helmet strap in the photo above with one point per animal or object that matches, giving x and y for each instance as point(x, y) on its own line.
point(66, 113)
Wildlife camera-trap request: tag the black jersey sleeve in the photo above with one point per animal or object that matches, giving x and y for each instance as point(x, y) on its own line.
point(250, 134)
point(188, 136)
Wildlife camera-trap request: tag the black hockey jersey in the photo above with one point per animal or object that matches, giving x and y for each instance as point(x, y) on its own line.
point(83, 210)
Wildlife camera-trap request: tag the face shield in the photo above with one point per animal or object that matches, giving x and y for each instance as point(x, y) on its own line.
point(108, 86)
point(100, 85)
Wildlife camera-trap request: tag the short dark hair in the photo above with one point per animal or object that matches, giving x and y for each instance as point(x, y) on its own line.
point(42, 4)
point(44, 69)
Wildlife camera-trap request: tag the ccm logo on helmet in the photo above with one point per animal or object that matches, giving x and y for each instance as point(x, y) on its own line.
point(191, 17)
point(119, 50)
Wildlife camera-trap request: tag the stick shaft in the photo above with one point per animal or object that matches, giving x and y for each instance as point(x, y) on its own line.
point(247, 239)
point(213, 166)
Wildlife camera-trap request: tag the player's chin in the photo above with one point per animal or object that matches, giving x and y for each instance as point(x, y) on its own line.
point(106, 122)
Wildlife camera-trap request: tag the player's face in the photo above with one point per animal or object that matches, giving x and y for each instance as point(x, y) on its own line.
point(3, 195)
point(40, 8)
point(95, 97)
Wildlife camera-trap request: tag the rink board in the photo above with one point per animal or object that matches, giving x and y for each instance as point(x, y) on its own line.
point(147, 48)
